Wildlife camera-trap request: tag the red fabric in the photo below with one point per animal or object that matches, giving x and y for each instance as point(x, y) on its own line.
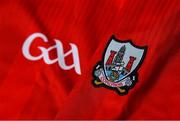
point(35, 90)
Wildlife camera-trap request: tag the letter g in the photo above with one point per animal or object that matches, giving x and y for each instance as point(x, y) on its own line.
point(27, 44)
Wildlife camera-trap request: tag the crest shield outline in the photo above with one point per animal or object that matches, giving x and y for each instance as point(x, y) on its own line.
point(120, 72)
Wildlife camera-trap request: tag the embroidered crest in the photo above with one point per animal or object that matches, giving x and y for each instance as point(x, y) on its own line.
point(118, 69)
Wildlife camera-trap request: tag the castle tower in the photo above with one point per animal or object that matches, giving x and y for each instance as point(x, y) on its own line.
point(130, 63)
point(120, 55)
point(111, 57)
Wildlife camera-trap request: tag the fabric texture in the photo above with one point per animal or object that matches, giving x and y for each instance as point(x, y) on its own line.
point(35, 90)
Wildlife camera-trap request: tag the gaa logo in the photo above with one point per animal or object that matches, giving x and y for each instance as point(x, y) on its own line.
point(118, 69)
point(61, 55)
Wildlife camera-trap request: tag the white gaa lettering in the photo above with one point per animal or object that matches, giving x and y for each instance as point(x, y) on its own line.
point(45, 53)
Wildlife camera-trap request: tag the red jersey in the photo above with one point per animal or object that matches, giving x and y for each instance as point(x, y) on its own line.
point(89, 59)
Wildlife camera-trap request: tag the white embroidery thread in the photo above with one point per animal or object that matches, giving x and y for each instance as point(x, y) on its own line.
point(45, 53)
